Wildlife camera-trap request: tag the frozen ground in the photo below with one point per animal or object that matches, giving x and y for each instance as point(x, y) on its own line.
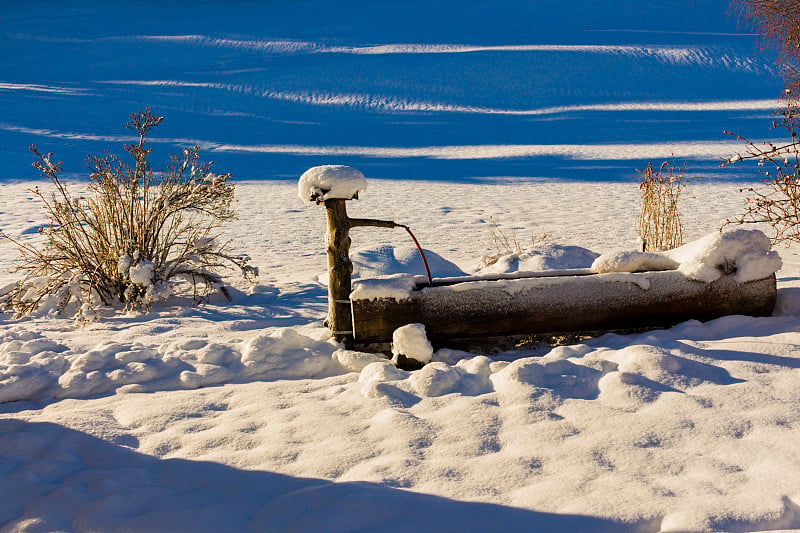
point(242, 416)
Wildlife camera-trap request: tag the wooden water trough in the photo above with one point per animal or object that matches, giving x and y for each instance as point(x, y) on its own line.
point(548, 302)
point(561, 302)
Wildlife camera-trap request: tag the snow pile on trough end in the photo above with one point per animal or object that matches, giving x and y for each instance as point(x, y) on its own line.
point(745, 253)
point(327, 182)
point(33, 366)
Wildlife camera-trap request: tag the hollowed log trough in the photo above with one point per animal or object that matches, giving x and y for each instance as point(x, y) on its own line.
point(560, 302)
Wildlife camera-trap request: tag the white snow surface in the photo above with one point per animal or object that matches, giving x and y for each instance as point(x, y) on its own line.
point(243, 415)
point(745, 253)
point(327, 182)
point(412, 341)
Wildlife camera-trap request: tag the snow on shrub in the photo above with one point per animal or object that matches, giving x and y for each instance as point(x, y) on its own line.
point(133, 239)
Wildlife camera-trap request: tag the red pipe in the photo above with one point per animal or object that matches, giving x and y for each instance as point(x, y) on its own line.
point(421, 254)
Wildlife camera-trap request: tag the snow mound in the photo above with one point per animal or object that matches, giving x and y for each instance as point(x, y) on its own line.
point(412, 341)
point(33, 367)
point(544, 257)
point(355, 361)
point(379, 372)
point(744, 253)
point(386, 260)
point(286, 354)
point(328, 182)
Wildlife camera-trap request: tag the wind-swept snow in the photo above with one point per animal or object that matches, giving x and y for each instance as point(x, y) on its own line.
point(394, 90)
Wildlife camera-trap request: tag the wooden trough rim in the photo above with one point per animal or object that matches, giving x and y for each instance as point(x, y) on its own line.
point(421, 282)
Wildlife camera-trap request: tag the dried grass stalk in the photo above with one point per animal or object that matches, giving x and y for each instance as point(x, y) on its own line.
point(660, 226)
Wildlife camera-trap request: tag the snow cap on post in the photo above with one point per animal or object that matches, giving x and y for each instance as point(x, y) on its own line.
point(327, 182)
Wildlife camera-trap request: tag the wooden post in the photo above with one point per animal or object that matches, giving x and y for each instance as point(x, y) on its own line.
point(340, 268)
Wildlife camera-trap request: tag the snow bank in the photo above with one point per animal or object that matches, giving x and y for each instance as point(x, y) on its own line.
point(34, 367)
point(744, 253)
point(327, 182)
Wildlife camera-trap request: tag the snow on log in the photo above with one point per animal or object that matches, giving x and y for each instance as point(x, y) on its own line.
point(561, 304)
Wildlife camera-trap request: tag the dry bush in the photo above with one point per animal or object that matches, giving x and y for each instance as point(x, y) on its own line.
point(660, 226)
point(135, 237)
point(778, 21)
point(777, 202)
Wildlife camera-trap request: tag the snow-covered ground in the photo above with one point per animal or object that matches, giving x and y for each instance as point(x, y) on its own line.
point(465, 117)
point(242, 415)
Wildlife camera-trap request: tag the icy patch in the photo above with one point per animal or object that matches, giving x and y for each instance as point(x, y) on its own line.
point(412, 341)
point(327, 182)
point(744, 253)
